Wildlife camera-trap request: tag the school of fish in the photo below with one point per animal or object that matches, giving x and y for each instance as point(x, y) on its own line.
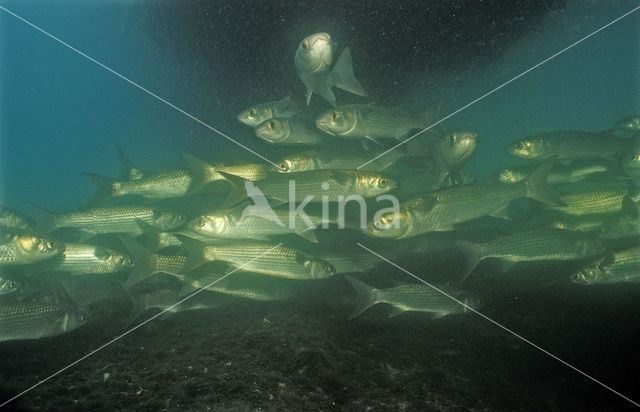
point(254, 230)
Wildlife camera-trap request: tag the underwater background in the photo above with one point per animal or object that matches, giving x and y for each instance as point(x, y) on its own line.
point(62, 114)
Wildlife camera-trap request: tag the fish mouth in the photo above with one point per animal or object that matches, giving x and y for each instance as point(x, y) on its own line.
point(316, 40)
point(324, 126)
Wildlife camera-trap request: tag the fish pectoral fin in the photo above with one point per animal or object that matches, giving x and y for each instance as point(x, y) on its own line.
point(427, 204)
point(395, 311)
point(373, 140)
point(187, 288)
point(342, 178)
point(126, 165)
point(309, 93)
point(502, 212)
point(309, 235)
point(85, 234)
point(438, 315)
point(342, 75)
point(505, 265)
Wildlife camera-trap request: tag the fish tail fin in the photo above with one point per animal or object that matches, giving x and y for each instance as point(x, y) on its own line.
point(343, 77)
point(128, 170)
point(46, 220)
point(105, 188)
point(202, 172)
point(536, 185)
point(238, 191)
point(472, 254)
point(366, 296)
point(144, 261)
point(195, 250)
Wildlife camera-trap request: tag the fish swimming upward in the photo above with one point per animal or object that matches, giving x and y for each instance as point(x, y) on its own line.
point(314, 59)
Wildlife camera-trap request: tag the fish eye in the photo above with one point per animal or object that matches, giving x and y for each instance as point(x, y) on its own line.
point(51, 244)
point(284, 166)
point(383, 182)
point(452, 138)
point(12, 284)
point(307, 263)
point(252, 112)
point(334, 116)
point(305, 45)
point(200, 222)
point(271, 125)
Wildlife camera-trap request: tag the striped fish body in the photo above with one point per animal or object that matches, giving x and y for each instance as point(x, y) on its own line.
point(117, 219)
point(88, 259)
point(338, 183)
point(281, 262)
point(614, 267)
point(414, 297)
point(543, 244)
point(597, 202)
point(244, 285)
point(570, 144)
point(26, 249)
point(258, 257)
point(37, 320)
point(459, 204)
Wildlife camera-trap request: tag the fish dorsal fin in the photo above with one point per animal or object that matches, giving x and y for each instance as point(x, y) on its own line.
point(282, 105)
point(127, 168)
